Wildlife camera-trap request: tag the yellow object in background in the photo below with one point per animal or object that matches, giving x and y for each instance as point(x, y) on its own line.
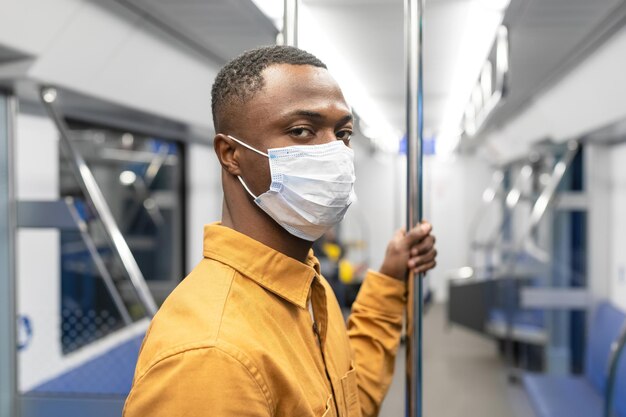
point(346, 271)
point(332, 251)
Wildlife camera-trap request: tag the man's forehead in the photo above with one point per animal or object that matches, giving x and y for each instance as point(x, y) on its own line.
point(284, 79)
point(288, 92)
point(294, 70)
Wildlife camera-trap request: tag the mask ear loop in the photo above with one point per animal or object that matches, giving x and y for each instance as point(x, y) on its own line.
point(246, 187)
point(254, 150)
point(248, 146)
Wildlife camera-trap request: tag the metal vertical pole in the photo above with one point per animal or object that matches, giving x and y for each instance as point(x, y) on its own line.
point(290, 23)
point(414, 126)
point(8, 331)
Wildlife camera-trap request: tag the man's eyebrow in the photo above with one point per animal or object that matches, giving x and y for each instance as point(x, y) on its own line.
point(345, 119)
point(306, 113)
point(315, 115)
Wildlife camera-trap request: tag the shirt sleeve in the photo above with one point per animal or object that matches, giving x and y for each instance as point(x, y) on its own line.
point(374, 329)
point(199, 383)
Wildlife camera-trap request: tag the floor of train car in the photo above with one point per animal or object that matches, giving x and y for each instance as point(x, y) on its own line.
point(463, 375)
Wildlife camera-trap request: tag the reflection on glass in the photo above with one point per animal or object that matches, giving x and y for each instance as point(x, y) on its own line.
point(141, 179)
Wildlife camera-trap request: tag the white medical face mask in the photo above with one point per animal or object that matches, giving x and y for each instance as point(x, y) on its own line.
point(312, 187)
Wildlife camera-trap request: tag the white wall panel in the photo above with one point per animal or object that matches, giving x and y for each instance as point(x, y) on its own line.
point(39, 298)
point(204, 197)
point(37, 250)
point(598, 183)
point(618, 226)
point(454, 199)
point(37, 159)
point(377, 198)
point(589, 97)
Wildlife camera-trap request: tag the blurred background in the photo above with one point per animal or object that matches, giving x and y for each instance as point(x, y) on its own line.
point(107, 176)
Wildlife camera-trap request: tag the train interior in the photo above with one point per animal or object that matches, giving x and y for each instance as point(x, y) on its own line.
point(109, 174)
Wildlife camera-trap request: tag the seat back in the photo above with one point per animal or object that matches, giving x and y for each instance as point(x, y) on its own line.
point(605, 326)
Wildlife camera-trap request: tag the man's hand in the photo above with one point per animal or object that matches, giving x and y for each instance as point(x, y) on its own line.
point(413, 250)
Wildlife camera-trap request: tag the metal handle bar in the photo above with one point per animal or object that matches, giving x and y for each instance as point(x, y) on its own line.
point(413, 10)
point(96, 200)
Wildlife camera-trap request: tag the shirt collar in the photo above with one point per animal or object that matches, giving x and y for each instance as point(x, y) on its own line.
point(273, 270)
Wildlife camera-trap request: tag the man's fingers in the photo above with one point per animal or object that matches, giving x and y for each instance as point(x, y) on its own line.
point(418, 233)
point(423, 259)
point(424, 246)
point(425, 268)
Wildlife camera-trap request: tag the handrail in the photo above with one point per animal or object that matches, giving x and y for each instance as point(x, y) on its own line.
point(617, 348)
point(142, 187)
point(96, 200)
point(488, 197)
point(511, 200)
point(546, 198)
point(98, 261)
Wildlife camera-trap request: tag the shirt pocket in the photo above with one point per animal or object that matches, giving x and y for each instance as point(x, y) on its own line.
point(351, 394)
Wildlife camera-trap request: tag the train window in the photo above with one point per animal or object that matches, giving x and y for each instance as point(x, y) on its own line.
point(141, 179)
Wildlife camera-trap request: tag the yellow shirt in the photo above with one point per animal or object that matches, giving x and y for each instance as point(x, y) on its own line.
point(236, 338)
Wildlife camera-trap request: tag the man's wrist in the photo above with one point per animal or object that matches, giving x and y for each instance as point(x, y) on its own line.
point(397, 275)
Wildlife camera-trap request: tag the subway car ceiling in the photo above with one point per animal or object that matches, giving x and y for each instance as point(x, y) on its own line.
point(174, 48)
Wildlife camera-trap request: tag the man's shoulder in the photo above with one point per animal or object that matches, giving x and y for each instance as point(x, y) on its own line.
point(191, 315)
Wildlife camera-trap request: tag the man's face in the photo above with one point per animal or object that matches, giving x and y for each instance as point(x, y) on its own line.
point(298, 105)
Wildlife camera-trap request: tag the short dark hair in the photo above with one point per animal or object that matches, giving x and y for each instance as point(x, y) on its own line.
point(240, 78)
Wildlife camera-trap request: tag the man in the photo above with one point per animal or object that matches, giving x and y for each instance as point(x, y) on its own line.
point(254, 330)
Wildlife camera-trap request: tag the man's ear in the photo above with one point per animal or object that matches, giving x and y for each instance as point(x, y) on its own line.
point(225, 150)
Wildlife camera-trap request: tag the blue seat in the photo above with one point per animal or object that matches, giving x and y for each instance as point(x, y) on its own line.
point(528, 325)
point(562, 396)
point(583, 396)
point(110, 373)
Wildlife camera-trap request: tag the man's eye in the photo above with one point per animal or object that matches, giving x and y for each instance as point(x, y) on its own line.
point(344, 135)
point(300, 132)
